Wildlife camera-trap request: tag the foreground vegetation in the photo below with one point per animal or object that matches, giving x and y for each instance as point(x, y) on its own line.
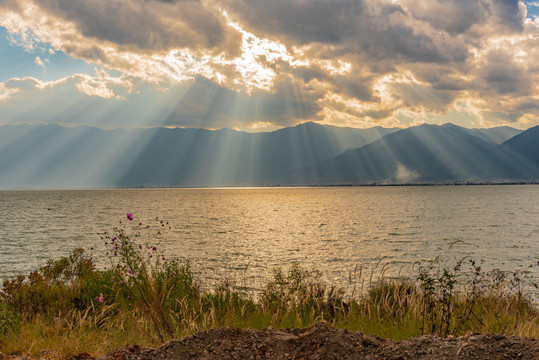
point(69, 306)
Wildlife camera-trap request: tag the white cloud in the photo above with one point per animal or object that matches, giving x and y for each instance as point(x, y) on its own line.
point(405, 175)
point(38, 61)
point(103, 85)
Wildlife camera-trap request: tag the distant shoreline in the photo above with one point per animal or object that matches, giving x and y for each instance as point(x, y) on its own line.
point(239, 187)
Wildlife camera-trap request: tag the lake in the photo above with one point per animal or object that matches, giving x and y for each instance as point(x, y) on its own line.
point(245, 233)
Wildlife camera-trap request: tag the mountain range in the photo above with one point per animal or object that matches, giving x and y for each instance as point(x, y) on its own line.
point(54, 156)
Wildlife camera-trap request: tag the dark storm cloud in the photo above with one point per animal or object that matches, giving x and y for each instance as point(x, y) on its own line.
point(417, 96)
point(302, 21)
point(355, 87)
point(454, 17)
point(501, 75)
point(377, 30)
point(508, 14)
point(145, 24)
point(528, 106)
point(442, 77)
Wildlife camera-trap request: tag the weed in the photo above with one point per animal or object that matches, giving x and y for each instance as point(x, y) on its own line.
point(142, 296)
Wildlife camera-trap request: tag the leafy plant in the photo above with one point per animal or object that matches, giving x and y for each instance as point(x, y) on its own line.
point(10, 321)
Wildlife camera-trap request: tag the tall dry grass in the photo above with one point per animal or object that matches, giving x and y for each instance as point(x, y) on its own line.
point(69, 306)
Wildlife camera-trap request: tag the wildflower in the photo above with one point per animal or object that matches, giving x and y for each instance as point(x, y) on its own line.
point(154, 249)
point(130, 216)
point(112, 240)
point(140, 247)
point(130, 272)
point(100, 299)
point(163, 258)
point(120, 282)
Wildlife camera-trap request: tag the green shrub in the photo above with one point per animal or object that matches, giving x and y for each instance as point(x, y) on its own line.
point(10, 321)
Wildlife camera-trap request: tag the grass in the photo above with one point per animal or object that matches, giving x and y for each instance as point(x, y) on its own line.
point(70, 307)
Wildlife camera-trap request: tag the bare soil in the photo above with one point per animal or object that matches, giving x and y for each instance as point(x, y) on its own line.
point(321, 341)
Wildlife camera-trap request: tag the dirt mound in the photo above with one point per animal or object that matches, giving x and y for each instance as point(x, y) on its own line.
point(321, 341)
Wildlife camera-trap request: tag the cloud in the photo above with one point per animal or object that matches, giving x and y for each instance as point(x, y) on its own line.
point(99, 100)
point(103, 85)
point(374, 30)
point(108, 101)
point(207, 103)
point(146, 25)
point(352, 62)
point(404, 175)
point(39, 61)
point(452, 17)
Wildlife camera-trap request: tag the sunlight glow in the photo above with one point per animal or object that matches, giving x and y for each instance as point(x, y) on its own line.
point(101, 84)
point(248, 71)
point(362, 74)
point(253, 73)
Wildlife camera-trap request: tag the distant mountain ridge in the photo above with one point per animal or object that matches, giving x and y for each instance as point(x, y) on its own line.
point(421, 154)
point(53, 156)
point(56, 156)
point(497, 134)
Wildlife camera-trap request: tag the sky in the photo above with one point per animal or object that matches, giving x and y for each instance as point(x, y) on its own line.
point(259, 65)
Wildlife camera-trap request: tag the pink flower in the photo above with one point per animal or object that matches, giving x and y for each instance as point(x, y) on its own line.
point(130, 216)
point(154, 249)
point(100, 299)
point(121, 282)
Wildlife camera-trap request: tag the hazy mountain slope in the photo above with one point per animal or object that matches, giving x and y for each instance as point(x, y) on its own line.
point(56, 156)
point(525, 145)
point(427, 153)
point(52, 156)
point(496, 135)
point(225, 157)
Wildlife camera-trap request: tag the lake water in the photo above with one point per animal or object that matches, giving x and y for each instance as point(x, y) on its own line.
point(223, 232)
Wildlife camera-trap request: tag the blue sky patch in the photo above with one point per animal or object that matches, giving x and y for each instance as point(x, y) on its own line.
point(533, 9)
point(18, 62)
